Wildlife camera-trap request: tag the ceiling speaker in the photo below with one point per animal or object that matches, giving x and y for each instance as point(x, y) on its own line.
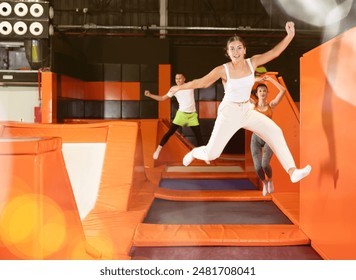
point(25, 19)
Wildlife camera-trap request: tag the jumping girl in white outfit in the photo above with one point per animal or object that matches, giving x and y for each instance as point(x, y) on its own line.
point(236, 111)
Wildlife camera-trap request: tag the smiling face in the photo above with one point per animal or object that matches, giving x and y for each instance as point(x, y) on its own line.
point(236, 49)
point(180, 79)
point(262, 91)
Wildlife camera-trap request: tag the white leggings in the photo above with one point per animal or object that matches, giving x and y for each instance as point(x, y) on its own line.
point(233, 116)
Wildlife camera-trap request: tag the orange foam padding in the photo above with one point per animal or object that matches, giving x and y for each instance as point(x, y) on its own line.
point(131, 91)
point(218, 235)
point(328, 137)
point(100, 90)
point(39, 217)
point(112, 232)
point(48, 97)
point(207, 109)
point(71, 87)
point(164, 84)
point(289, 204)
point(70, 133)
point(150, 140)
point(210, 195)
point(124, 195)
point(118, 168)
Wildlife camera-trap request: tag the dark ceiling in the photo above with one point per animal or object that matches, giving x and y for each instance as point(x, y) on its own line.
point(206, 22)
point(185, 21)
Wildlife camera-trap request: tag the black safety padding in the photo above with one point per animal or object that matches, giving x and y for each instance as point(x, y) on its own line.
point(236, 145)
point(112, 109)
point(71, 108)
point(206, 126)
point(130, 73)
point(93, 109)
point(95, 72)
point(130, 109)
point(151, 86)
point(149, 73)
point(219, 91)
point(112, 72)
point(208, 93)
point(148, 109)
point(196, 95)
point(191, 139)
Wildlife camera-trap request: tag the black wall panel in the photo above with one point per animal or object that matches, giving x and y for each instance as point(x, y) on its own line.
point(130, 109)
point(236, 145)
point(151, 86)
point(93, 109)
point(148, 109)
point(112, 72)
point(112, 109)
point(149, 73)
point(208, 94)
point(130, 73)
point(70, 109)
point(219, 91)
point(95, 72)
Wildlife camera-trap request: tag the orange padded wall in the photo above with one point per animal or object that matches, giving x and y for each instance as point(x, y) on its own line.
point(164, 78)
point(49, 97)
point(328, 195)
point(38, 213)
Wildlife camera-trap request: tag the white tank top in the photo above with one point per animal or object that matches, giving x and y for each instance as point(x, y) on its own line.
point(239, 90)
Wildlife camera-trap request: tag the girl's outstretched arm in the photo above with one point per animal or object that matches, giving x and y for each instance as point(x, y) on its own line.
point(261, 59)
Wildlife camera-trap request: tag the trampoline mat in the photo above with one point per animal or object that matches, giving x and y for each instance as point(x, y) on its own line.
point(207, 184)
point(215, 212)
point(301, 252)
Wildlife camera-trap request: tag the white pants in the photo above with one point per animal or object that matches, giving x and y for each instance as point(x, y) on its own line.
point(233, 116)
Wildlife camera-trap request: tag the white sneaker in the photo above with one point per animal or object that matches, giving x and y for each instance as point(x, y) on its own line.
point(270, 186)
point(264, 190)
point(299, 174)
point(188, 158)
point(156, 153)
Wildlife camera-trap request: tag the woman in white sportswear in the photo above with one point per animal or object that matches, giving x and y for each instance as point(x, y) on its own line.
point(235, 111)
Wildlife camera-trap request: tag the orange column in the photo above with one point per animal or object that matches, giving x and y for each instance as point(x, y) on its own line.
point(49, 97)
point(164, 84)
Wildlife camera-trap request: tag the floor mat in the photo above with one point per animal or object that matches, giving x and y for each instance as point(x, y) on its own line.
point(226, 253)
point(208, 184)
point(215, 212)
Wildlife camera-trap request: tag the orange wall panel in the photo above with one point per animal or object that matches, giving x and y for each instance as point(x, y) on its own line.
point(130, 91)
point(93, 91)
point(112, 90)
point(207, 109)
point(164, 84)
point(328, 195)
point(49, 97)
point(286, 116)
point(71, 87)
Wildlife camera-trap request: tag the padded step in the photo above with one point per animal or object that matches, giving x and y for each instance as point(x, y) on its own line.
point(148, 235)
point(205, 171)
point(211, 195)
